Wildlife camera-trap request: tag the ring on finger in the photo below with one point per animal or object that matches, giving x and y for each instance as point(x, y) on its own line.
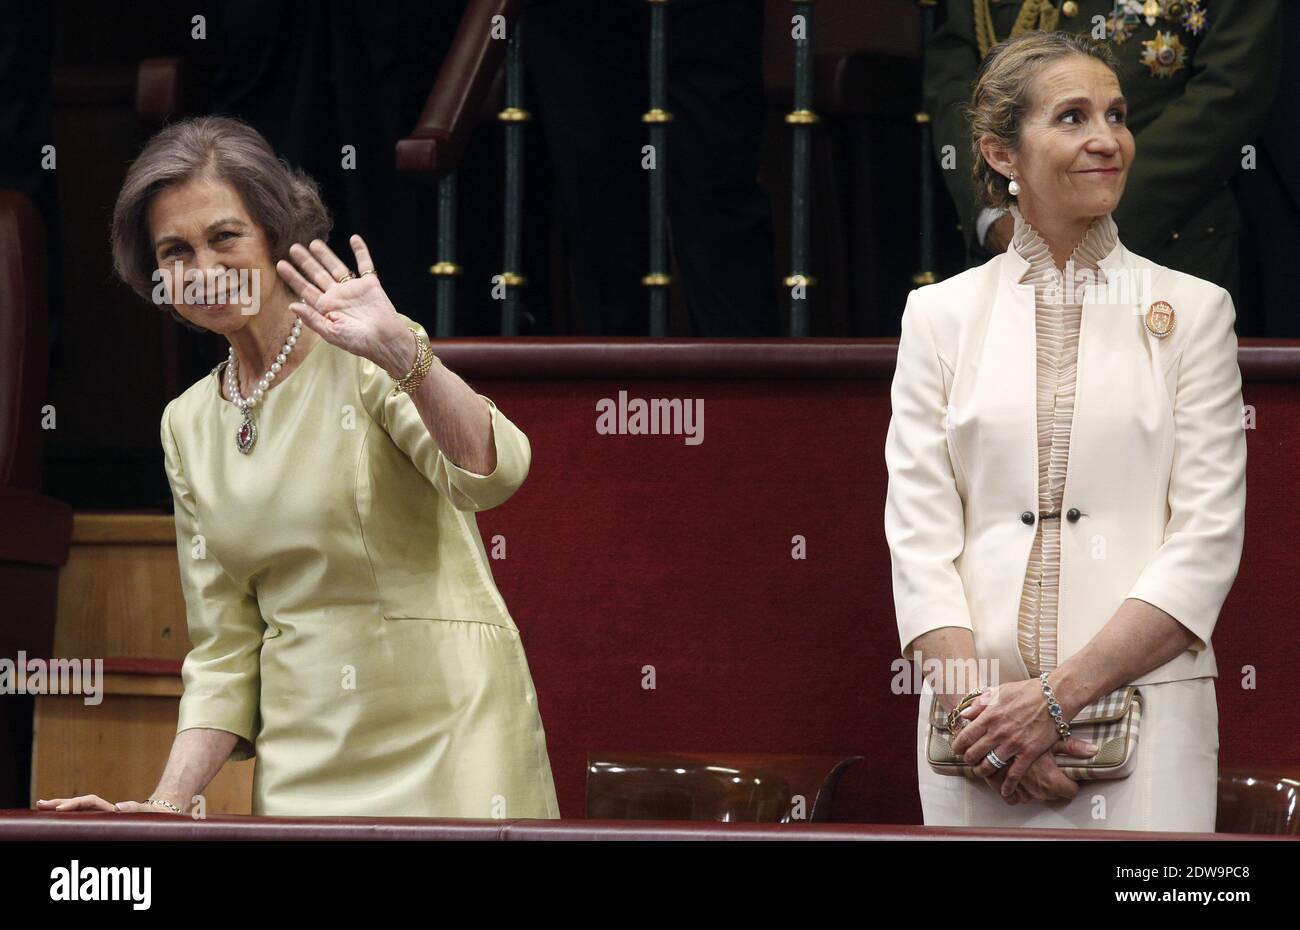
point(346, 276)
point(371, 271)
point(994, 761)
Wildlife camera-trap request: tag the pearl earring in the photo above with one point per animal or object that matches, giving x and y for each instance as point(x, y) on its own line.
point(1013, 188)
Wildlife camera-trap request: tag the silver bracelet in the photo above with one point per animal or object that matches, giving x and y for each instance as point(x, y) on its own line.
point(1054, 708)
point(167, 804)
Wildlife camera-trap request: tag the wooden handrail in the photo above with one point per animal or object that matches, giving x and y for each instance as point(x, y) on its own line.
point(874, 358)
point(463, 86)
point(25, 825)
point(162, 92)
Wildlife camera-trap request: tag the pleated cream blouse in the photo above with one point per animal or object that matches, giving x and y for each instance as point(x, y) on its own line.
point(1058, 310)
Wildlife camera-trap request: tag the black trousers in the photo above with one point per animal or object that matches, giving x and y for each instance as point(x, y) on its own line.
point(587, 61)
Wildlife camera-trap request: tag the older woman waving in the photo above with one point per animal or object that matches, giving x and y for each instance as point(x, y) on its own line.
point(1066, 481)
point(345, 625)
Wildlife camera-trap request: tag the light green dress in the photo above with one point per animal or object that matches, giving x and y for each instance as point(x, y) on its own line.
point(341, 608)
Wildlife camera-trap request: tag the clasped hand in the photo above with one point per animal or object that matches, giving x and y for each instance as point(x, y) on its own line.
point(1012, 720)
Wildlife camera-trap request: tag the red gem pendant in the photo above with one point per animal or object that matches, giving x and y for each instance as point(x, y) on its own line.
point(247, 435)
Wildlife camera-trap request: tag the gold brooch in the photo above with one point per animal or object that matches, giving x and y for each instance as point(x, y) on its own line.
point(1160, 319)
point(1164, 55)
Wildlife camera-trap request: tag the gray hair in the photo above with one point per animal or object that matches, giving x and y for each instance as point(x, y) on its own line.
point(283, 201)
point(1000, 100)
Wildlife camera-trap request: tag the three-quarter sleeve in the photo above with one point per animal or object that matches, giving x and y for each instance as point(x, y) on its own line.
point(221, 673)
point(401, 419)
point(1191, 573)
point(924, 519)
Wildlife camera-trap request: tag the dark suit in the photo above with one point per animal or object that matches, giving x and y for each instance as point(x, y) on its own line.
point(1270, 203)
point(1189, 127)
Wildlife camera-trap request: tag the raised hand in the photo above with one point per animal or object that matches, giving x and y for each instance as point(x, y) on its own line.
point(347, 310)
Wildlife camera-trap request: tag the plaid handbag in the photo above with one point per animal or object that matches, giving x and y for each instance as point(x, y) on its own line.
point(1111, 723)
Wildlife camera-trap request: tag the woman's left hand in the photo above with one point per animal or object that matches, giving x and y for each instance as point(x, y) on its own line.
point(1012, 720)
point(354, 314)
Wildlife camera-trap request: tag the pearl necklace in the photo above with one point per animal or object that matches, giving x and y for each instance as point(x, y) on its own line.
point(246, 435)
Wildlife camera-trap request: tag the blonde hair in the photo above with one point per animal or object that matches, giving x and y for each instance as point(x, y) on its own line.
point(1001, 97)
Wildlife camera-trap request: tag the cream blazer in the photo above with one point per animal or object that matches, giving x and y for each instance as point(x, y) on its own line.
point(1156, 471)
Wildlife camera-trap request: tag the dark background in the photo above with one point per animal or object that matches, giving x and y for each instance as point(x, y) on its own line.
point(313, 76)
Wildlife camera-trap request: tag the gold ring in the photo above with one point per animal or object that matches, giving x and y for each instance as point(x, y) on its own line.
point(347, 276)
point(371, 271)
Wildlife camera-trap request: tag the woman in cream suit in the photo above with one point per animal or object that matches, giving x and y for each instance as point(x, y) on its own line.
point(1066, 470)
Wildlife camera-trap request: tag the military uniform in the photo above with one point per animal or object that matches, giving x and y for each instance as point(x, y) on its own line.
point(1199, 76)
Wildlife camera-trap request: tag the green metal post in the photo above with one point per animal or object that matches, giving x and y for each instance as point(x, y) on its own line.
point(801, 120)
point(657, 119)
point(514, 116)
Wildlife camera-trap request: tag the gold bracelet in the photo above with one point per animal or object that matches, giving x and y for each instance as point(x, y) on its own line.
point(423, 362)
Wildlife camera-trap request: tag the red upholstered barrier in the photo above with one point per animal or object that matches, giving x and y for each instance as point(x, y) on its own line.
point(632, 553)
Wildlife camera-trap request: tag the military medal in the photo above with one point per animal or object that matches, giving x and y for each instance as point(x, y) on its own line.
point(1117, 30)
point(1126, 16)
point(1194, 18)
point(1164, 55)
point(1160, 319)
